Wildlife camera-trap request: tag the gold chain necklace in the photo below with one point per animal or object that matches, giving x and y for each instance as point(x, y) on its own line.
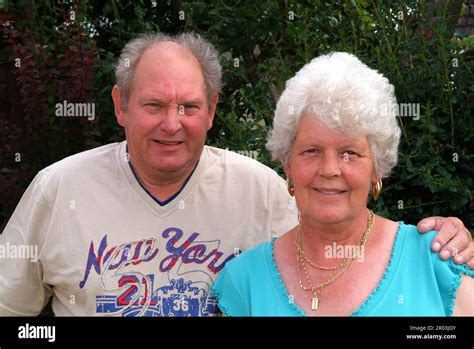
point(338, 270)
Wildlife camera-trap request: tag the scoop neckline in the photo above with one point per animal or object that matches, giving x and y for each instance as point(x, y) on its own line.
point(381, 285)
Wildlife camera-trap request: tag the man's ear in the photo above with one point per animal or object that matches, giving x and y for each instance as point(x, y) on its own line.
point(212, 110)
point(117, 98)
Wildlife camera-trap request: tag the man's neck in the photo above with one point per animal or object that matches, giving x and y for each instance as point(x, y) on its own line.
point(162, 185)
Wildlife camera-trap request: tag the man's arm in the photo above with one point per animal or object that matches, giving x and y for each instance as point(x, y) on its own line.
point(22, 292)
point(453, 239)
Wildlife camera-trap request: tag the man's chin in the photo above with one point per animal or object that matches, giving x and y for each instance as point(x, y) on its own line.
point(164, 165)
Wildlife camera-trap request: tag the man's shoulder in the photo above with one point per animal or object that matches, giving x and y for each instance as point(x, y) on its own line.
point(83, 162)
point(240, 162)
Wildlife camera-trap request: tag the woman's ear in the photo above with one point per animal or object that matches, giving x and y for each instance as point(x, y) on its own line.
point(287, 169)
point(374, 178)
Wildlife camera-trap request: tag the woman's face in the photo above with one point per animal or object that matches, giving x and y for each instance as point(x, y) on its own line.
point(331, 172)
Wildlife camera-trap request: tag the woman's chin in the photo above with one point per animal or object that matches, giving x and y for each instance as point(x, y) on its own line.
point(329, 216)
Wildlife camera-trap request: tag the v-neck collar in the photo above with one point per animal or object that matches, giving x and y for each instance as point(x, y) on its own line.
point(173, 203)
point(172, 197)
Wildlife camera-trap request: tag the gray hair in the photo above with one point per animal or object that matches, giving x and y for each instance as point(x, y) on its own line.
point(343, 93)
point(201, 49)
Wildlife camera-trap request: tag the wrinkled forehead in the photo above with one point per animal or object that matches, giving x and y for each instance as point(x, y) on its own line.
point(169, 58)
point(169, 68)
point(313, 128)
point(170, 50)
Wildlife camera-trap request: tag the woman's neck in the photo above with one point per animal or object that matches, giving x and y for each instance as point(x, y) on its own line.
point(319, 237)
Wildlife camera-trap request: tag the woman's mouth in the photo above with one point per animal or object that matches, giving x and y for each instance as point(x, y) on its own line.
point(330, 191)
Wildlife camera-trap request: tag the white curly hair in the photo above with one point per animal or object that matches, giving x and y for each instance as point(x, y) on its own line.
point(345, 94)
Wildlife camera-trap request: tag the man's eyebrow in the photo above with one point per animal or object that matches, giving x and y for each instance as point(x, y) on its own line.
point(192, 101)
point(149, 98)
point(159, 100)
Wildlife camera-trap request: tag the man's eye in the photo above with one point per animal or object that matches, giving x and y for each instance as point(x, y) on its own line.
point(153, 105)
point(191, 107)
point(187, 108)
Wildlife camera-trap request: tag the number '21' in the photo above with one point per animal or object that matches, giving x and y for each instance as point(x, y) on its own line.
point(129, 293)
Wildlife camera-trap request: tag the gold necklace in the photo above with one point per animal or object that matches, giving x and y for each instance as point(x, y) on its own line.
point(338, 270)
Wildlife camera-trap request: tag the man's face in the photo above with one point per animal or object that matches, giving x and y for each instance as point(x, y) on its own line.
point(168, 114)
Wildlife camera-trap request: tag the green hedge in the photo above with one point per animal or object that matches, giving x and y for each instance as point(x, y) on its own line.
point(264, 43)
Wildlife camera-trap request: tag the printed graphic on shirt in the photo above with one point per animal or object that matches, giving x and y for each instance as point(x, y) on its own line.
point(186, 265)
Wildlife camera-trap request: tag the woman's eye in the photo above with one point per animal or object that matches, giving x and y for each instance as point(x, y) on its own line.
point(345, 155)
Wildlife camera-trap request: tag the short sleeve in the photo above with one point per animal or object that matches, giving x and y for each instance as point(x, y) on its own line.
point(448, 275)
point(22, 292)
point(230, 300)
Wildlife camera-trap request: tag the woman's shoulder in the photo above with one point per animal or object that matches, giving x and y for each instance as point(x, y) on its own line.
point(251, 258)
point(415, 245)
point(410, 234)
point(418, 246)
point(238, 283)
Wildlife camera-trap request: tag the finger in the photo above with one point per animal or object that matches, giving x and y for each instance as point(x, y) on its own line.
point(467, 255)
point(455, 246)
point(451, 228)
point(470, 264)
point(445, 234)
point(430, 223)
point(426, 224)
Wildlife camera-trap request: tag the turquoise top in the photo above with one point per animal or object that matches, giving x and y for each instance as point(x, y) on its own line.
point(416, 282)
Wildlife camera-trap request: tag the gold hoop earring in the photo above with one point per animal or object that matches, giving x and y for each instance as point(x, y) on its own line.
point(290, 186)
point(377, 189)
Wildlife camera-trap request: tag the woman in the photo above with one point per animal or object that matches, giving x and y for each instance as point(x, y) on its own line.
point(336, 134)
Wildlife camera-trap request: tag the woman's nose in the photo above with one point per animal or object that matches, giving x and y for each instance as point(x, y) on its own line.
point(330, 165)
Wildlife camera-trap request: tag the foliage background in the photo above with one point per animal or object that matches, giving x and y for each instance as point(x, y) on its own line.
point(263, 43)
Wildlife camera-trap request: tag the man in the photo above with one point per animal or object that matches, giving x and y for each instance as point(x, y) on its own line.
point(142, 227)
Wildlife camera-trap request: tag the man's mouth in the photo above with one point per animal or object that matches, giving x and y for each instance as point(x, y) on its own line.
point(168, 142)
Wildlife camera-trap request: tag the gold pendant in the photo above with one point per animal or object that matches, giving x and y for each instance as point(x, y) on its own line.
point(314, 303)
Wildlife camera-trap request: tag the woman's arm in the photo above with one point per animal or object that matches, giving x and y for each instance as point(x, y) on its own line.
point(464, 305)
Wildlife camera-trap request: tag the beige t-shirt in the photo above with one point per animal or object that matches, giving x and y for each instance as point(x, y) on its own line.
point(106, 247)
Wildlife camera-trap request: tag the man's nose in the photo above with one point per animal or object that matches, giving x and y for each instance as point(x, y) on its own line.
point(171, 122)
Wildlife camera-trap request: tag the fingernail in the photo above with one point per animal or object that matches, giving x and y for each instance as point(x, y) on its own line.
point(436, 246)
point(445, 254)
